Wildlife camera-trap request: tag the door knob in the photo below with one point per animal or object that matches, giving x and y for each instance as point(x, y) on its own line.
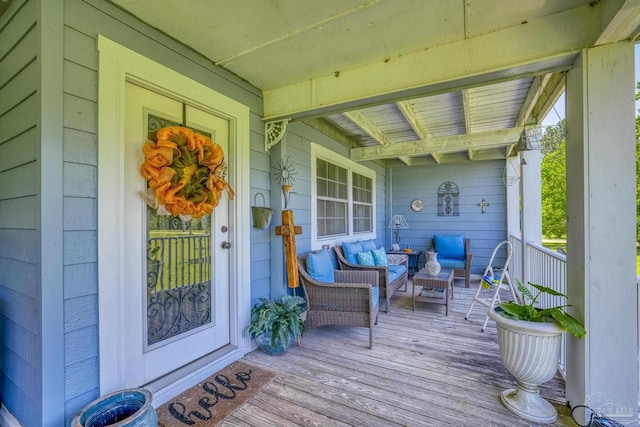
point(225, 245)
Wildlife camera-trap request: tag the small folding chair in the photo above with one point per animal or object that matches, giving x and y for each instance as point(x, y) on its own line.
point(494, 278)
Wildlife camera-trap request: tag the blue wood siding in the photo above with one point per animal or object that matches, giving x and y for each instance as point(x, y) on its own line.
point(20, 355)
point(475, 181)
point(84, 20)
point(298, 146)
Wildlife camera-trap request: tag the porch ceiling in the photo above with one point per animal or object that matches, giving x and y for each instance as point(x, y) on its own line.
point(407, 82)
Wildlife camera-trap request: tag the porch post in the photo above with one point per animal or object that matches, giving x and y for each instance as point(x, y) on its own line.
point(513, 198)
point(531, 205)
point(602, 368)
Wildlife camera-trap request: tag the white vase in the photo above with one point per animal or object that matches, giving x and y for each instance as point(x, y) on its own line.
point(530, 352)
point(432, 265)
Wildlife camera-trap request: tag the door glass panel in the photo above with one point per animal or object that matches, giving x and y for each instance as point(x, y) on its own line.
point(179, 270)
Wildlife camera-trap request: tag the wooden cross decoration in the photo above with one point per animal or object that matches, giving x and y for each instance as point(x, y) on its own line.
point(483, 205)
point(288, 232)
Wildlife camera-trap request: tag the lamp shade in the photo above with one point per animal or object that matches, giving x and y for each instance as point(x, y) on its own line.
point(398, 222)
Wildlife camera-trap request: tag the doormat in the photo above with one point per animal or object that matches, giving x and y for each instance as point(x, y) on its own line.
point(211, 401)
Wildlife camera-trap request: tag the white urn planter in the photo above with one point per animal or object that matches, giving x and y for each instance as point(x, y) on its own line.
point(530, 352)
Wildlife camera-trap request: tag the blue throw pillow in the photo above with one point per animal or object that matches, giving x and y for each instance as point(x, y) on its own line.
point(319, 266)
point(351, 251)
point(368, 245)
point(365, 258)
point(380, 256)
point(449, 246)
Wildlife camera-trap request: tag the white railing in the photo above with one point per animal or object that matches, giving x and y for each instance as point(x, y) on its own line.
point(547, 268)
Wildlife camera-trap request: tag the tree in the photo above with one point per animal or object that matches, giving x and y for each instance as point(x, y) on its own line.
point(554, 189)
point(553, 137)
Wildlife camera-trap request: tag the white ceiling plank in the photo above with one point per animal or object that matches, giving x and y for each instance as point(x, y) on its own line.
point(555, 38)
point(446, 144)
point(407, 110)
point(367, 125)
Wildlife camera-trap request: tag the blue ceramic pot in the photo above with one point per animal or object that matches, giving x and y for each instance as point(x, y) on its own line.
point(129, 407)
point(264, 343)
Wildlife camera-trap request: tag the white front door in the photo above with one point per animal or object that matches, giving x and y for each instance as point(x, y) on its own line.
point(177, 299)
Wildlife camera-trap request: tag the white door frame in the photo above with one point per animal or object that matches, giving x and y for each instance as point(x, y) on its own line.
point(117, 64)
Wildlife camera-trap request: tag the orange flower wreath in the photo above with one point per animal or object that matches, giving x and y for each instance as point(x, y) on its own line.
point(186, 171)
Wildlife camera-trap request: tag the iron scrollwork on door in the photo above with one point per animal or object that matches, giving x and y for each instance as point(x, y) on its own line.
point(178, 285)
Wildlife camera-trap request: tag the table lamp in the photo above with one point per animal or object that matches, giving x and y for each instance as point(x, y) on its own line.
point(398, 222)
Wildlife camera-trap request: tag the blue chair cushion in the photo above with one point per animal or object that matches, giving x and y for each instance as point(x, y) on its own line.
point(396, 270)
point(365, 258)
point(452, 263)
point(375, 295)
point(449, 246)
point(351, 251)
point(380, 256)
point(368, 245)
point(319, 266)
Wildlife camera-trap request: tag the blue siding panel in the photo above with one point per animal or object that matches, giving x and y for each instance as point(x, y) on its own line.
point(81, 378)
point(80, 280)
point(481, 181)
point(80, 247)
point(75, 348)
point(80, 147)
point(84, 20)
point(80, 213)
point(80, 313)
point(20, 149)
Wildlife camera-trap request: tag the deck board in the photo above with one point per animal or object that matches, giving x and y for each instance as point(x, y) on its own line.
point(425, 369)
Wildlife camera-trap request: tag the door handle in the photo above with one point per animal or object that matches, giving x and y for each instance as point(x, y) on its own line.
point(225, 245)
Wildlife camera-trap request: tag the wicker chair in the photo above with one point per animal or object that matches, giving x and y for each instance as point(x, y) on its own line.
point(387, 289)
point(349, 301)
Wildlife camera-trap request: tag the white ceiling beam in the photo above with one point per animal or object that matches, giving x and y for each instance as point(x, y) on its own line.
point(436, 157)
point(447, 159)
point(406, 160)
point(328, 129)
point(548, 43)
point(622, 22)
point(467, 112)
point(409, 114)
point(440, 145)
point(368, 126)
point(471, 154)
point(552, 91)
point(534, 94)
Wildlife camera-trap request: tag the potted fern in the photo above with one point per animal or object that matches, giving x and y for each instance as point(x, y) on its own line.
point(529, 339)
point(274, 325)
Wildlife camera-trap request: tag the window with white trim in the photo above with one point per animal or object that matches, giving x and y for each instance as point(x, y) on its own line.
point(344, 197)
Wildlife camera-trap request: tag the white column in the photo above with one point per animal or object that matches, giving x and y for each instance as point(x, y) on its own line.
point(602, 368)
point(513, 197)
point(531, 205)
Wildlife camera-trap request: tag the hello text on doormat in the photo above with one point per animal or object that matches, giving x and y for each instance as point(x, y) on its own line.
point(209, 402)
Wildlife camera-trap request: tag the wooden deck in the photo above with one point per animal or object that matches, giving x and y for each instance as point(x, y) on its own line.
point(425, 369)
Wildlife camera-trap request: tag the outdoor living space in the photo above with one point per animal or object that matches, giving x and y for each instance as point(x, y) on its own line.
point(425, 368)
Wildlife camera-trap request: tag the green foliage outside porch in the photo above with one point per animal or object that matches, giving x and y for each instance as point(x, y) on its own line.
point(553, 175)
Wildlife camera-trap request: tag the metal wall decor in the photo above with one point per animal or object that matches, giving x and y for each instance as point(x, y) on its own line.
point(448, 199)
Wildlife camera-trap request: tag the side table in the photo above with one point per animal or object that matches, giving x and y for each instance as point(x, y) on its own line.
point(414, 257)
point(443, 281)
